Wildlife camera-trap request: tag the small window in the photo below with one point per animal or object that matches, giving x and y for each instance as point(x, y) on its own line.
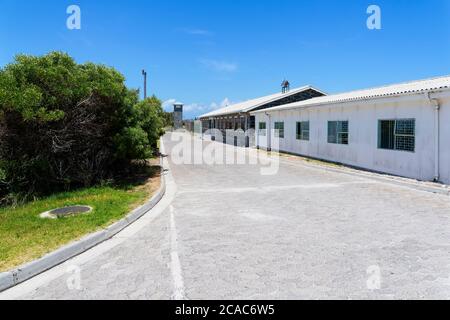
point(397, 134)
point(262, 129)
point(303, 131)
point(279, 130)
point(242, 124)
point(252, 122)
point(338, 132)
point(236, 125)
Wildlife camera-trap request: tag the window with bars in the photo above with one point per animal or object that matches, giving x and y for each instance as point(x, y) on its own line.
point(303, 131)
point(338, 132)
point(262, 129)
point(279, 130)
point(397, 134)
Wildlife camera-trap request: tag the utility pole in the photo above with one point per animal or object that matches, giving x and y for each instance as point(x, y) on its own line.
point(144, 73)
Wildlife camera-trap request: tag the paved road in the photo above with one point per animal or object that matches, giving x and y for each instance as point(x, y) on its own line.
point(228, 232)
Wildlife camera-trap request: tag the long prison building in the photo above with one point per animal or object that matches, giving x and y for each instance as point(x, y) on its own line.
point(401, 129)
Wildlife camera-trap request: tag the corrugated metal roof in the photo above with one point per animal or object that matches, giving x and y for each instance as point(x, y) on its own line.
point(406, 88)
point(249, 105)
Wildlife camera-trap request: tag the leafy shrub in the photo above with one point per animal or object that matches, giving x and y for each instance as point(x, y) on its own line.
point(64, 125)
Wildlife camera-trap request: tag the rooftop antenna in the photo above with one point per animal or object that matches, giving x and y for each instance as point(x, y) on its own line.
point(285, 86)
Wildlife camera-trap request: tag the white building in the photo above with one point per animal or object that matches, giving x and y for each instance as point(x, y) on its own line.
point(401, 129)
point(235, 117)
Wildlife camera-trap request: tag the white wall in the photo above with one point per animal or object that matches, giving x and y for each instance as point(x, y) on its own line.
point(444, 145)
point(362, 150)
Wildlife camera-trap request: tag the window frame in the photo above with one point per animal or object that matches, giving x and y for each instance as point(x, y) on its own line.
point(300, 132)
point(338, 135)
point(278, 133)
point(262, 132)
point(395, 135)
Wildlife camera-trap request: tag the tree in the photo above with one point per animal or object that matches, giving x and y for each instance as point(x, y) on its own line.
point(149, 115)
point(64, 124)
point(168, 119)
point(144, 129)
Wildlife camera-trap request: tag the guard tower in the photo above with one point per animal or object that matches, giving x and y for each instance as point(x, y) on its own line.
point(178, 115)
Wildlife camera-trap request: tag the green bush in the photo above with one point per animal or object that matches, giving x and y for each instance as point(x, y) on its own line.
point(149, 115)
point(64, 125)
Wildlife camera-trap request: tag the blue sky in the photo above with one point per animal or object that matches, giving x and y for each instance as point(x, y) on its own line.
point(206, 52)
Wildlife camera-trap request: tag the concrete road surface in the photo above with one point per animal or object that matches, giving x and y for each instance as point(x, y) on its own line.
point(229, 232)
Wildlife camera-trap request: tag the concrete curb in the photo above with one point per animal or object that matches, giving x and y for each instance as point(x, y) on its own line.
point(32, 269)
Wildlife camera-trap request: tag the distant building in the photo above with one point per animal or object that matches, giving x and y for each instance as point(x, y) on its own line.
point(178, 115)
point(238, 117)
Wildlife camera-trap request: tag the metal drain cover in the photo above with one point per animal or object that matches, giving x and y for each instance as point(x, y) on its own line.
point(66, 212)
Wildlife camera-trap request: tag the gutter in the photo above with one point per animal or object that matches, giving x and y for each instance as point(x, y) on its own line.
point(435, 104)
point(269, 132)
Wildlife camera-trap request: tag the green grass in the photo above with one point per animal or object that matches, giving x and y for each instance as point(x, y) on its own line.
point(24, 236)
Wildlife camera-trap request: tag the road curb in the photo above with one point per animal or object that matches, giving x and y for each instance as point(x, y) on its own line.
point(51, 260)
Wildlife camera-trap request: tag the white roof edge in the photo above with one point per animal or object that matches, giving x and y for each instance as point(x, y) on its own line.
point(290, 93)
point(390, 91)
point(269, 99)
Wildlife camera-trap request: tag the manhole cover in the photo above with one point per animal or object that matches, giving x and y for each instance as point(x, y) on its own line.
point(66, 212)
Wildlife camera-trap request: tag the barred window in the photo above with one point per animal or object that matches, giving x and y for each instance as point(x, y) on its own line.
point(279, 130)
point(303, 131)
point(262, 129)
point(397, 134)
point(338, 132)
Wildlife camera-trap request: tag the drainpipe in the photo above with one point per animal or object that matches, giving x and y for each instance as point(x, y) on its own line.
point(247, 128)
point(435, 104)
point(269, 133)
